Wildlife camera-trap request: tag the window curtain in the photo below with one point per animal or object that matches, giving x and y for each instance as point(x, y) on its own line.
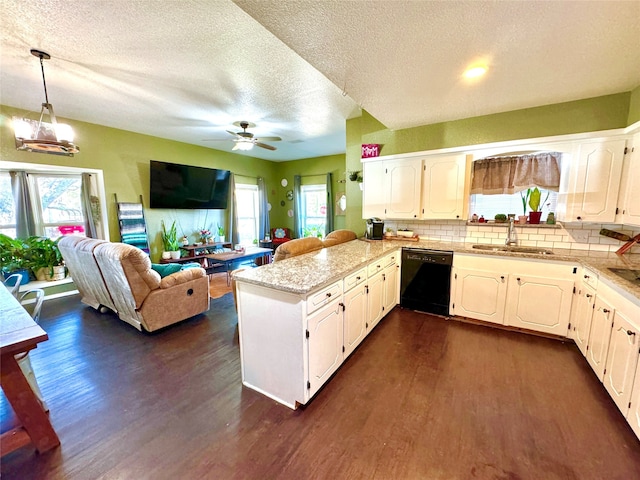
point(298, 214)
point(232, 212)
point(511, 174)
point(264, 226)
point(88, 200)
point(25, 220)
point(329, 216)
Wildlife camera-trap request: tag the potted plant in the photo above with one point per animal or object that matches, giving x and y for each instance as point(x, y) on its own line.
point(44, 259)
point(353, 175)
point(170, 241)
point(12, 258)
point(220, 233)
point(500, 218)
point(534, 203)
point(522, 219)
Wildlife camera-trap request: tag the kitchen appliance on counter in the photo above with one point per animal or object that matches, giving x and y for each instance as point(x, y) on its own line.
point(425, 280)
point(375, 229)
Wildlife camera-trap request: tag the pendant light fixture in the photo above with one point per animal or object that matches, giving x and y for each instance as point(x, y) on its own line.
point(42, 137)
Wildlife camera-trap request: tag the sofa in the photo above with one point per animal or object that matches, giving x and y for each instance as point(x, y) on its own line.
point(120, 277)
point(298, 246)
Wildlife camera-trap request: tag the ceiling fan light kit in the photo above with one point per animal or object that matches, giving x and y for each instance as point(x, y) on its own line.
point(246, 140)
point(42, 137)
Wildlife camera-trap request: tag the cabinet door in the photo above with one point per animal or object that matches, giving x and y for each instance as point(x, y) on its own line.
point(355, 318)
point(631, 184)
point(582, 320)
point(540, 304)
point(633, 415)
point(443, 187)
point(622, 359)
point(402, 188)
point(325, 344)
point(599, 168)
point(375, 293)
point(390, 278)
point(599, 335)
point(480, 294)
point(373, 198)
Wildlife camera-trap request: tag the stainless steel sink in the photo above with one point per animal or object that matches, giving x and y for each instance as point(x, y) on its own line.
point(511, 249)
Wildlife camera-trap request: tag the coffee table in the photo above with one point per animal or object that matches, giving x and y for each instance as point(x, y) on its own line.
point(227, 259)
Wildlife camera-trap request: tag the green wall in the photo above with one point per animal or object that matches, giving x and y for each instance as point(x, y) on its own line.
point(313, 171)
point(634, 107)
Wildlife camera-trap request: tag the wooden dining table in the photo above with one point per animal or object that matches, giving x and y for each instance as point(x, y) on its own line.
point(20, 333)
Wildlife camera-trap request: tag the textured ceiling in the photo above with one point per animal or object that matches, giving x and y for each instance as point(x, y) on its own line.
point(186, 70)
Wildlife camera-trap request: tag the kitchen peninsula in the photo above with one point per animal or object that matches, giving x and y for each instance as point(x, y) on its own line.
point(299, 319)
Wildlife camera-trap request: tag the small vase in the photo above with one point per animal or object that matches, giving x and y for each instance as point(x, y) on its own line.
point(221, 238)
point(534, 218)
point(175, 255)
point(166, 255)
point(522, 219)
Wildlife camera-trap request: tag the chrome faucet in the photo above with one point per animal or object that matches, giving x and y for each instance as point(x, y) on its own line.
point(511, 234)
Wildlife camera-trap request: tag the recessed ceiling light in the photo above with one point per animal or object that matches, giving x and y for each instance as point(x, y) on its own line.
point(475, 72)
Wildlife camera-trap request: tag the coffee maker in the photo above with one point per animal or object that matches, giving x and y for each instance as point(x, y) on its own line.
point(375, 229)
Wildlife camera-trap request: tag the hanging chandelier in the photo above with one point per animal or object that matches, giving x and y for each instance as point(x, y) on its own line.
point(42, 137)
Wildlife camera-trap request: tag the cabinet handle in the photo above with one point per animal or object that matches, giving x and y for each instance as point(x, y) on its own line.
point(629, 332)
point(588, 295)
point(587, 276)
point(502, 278)
point(518, 278)
point(579, 218)
point(357, 278)
point(328, 294)
point(606, 310)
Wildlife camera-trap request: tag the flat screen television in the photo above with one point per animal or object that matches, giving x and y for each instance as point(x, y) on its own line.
point(184, 186)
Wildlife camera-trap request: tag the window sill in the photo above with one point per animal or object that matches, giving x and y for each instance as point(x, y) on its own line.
point(492, 223)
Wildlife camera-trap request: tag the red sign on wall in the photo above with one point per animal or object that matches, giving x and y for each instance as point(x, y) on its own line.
point(370, 150)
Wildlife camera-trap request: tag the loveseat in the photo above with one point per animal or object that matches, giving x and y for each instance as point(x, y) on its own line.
point(299, 246)
point(120, 277)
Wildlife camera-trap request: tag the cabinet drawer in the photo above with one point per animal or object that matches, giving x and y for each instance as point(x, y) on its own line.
point(375, 267)
point(355, 279)
point(590, 278)
point(323, 297)
point(390, 259)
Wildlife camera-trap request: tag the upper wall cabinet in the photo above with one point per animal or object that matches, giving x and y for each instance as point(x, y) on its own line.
point(629, 200)
point(392, 188)
point(595, 181)
point(443, 187)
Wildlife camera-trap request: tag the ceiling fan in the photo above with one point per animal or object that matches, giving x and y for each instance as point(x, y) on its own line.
point(246, 140)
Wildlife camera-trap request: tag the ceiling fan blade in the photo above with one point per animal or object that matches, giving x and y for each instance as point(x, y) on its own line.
point(232, 133)
point(264, 145)
point(269, 139)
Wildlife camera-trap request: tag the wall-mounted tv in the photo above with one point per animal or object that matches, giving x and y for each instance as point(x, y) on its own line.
point(184, 186)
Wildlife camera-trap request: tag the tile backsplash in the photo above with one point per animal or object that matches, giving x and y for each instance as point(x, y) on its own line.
point(577, 236)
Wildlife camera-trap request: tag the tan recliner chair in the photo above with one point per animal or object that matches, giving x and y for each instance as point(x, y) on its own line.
point(137, 293)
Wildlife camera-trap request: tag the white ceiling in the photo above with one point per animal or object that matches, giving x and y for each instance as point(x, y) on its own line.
point(186, 70)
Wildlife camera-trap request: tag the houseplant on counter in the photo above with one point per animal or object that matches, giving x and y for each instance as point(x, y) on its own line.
point(534, 203)
point(44, 259)
point(221, 237)
point(170, 241)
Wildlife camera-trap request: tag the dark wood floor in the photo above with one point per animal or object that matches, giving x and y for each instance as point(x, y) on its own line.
point(422, 398)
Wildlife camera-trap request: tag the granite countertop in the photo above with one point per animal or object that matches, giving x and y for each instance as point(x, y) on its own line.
point(305, 273)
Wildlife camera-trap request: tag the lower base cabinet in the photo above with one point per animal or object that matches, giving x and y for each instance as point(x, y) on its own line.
point(291, 352)
point(599, 335)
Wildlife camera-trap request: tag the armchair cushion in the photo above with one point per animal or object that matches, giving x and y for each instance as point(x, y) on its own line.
point(165, 269)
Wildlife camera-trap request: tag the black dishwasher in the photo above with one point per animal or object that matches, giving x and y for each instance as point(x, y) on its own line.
point(425, 280)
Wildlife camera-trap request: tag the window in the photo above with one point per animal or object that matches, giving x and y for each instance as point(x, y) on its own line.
point(314, 210)
point(58, 204)
point(490, 205)
point(7, 209)
point(248, 213)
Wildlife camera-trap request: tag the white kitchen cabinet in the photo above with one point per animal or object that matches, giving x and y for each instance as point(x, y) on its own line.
point(392, 188)
point(373, 197)
point(596, 172)
point(629, 201)
point(325, 335)
point(355, 317)
point(585, 303)
point(541, 304)
point(599, 335)
point(375, 300)
point(622, 359)
point(443, 187)
point(532, 294)
point(390, 280)
point(633, 415)
point(479, 294)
